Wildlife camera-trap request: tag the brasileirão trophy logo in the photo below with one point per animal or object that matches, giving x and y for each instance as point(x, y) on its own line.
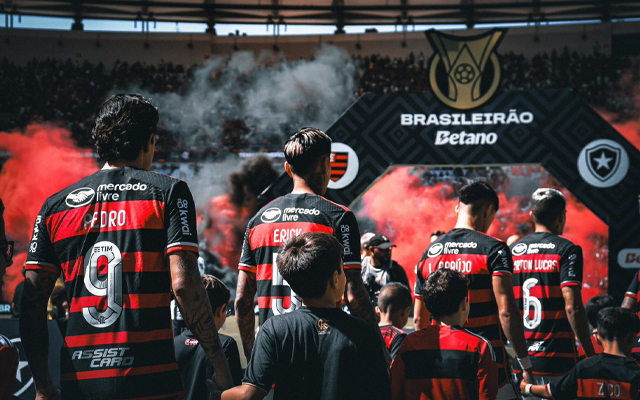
point(464, 72)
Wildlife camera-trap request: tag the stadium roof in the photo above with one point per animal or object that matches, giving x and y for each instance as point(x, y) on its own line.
point(331, 12)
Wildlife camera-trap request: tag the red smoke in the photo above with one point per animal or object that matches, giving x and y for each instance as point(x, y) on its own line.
point(408, 211)
point(629, 129)
point(43, 161)
point(223, 229)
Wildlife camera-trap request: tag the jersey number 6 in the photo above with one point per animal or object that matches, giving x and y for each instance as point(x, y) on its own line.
point(530, 302)
point(111, 287)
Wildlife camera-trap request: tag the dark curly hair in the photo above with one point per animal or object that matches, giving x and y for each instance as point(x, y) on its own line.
point(443, 291)
point(123, 127)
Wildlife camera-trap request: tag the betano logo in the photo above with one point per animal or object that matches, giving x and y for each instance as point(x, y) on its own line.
point(464, 72)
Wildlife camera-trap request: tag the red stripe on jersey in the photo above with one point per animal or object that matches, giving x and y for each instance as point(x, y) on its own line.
point(265, 302)
point(603, 388)
point(540, 291)
point(128, 300)
point(184, 247)
point(538, 263)
point(570, 283)
point(336, 204)
point(106, 217)
point(552, 355)
point(632, 295)
point(131, 262)
point(264, 272)
point(481, 321)
point(247, 268)
point(117, 337)
point(276, 234)
point(117, 372)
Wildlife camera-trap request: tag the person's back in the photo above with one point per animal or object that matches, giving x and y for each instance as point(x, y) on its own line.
point(547, 280)
point(108, 234)
point(611, 374)
point(445, 361)
point(593, 307)
point(321, 353)
point(394, 306)
point(279, 221)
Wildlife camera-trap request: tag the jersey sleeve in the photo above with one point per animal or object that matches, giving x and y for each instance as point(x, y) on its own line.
point(420, 279)
point(180, 216)
point(566, 388)
point(247, 258)
point(571, 265)
point(499, 260)
point(487, 373)
point(261, 371)
point(348, 234)
point(41, 255)
point(634, 287)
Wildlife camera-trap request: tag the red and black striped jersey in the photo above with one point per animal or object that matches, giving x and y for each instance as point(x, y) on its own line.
point(604, 376)
point(280, 220)
point(444, 362)
point(393, 338)
point(596, 346)
point(480, 258)
point(108, 235)
point(544, 263)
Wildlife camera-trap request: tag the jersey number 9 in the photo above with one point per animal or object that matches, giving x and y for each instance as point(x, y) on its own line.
point(111, 287)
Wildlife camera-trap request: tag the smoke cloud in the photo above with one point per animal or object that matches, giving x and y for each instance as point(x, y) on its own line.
point(43, 160)
point(273, 97)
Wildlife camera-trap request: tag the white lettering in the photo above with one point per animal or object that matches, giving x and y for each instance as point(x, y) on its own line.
point(282, 235)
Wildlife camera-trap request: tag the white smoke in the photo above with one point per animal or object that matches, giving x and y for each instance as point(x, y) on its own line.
point(273, 97)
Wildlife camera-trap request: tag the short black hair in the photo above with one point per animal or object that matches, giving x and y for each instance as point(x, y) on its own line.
point(616, 323)
point(217, 292)
point(547, 205)
point(595, 304)
point(443, 291)
point(307, 262)
point(394, 297)
point(478, 194)
point(124, 125)
point(305, 149)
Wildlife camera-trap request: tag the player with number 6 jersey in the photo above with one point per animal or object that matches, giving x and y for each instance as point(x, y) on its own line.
point(109, 237)
point(547, 280)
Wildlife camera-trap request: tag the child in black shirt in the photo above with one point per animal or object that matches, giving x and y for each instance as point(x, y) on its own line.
point(317, 351)
point(194, 364)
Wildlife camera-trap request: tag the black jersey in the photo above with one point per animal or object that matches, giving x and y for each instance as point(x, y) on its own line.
point(195, 366)
point(634, 291)
point(479, 257)
point(603, 376)
point(544, 263)
point(273, 225)
point(108, 235)
point(319, 353)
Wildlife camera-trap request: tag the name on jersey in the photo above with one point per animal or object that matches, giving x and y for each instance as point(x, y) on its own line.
point(282, 235)
point(109, 357)
point(535, 265)
point(460, 265)
point(104, 219)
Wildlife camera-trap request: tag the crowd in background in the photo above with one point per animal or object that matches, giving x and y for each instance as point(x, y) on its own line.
point(70, 91)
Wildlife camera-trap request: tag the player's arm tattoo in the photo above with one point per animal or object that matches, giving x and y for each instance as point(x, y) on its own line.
point(197, 313)
point(38, 286)
point(245, 293)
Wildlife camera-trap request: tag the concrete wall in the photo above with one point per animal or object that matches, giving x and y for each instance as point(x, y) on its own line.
point(20, 45)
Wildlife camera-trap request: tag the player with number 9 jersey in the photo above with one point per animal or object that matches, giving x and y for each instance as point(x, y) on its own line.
point(108, 235)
